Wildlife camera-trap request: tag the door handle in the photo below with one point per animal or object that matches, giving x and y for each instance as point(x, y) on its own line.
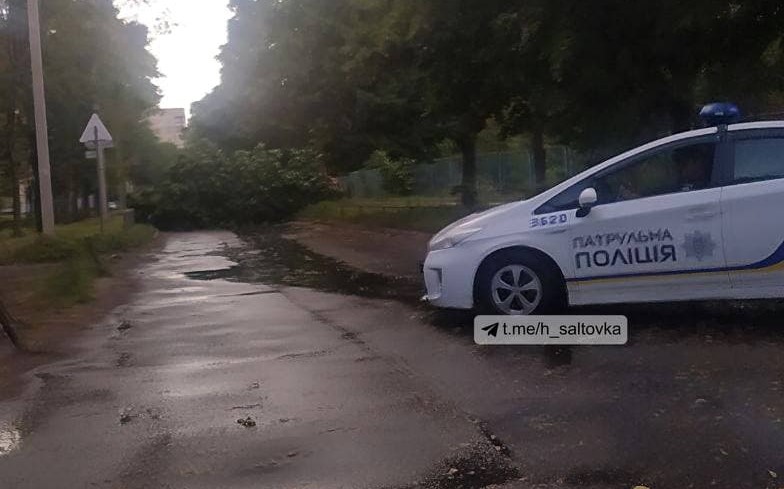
point(557, 231)
point(701, 215)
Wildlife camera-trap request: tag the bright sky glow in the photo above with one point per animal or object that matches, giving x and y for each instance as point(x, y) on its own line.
point(186, 55)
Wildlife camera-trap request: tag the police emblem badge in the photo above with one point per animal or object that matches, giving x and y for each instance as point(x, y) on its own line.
point(698, 245)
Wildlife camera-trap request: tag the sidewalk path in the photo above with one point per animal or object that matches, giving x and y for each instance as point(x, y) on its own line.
point(155, 392)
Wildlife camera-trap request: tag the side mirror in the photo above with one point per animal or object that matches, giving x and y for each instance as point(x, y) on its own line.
point(586, 200)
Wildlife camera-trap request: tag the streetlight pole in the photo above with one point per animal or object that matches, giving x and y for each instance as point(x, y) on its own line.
point(41, 132)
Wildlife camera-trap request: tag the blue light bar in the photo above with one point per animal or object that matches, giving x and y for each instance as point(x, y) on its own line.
point(719, 113)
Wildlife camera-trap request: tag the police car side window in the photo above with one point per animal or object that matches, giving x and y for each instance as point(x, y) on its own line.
point(678, 169)
point(758, 160)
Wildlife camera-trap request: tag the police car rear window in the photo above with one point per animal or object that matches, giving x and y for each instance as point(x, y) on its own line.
point(758, 159)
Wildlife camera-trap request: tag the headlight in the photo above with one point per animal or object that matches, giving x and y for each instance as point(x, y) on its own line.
point(451, 238)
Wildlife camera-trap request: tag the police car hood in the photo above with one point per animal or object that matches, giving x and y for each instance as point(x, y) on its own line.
point(486, 219)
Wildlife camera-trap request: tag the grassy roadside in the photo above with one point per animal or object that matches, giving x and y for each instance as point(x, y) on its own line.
point(427, 214)
point(75, 257)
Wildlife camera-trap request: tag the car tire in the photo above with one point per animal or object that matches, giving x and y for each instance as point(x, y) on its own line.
point(520, 283)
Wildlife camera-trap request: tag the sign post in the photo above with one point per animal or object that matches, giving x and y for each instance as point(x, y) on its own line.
point(97, 137)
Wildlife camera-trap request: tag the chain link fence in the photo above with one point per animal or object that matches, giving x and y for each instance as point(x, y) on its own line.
point(500, 175)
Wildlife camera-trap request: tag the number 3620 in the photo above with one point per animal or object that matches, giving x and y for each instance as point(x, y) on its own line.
point(548, 220)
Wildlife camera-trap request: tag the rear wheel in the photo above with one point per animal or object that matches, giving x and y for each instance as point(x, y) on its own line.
point(519, 284)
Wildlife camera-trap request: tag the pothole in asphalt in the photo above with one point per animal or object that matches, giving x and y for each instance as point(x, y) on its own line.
point(223, 273)
point(124, 325)
point(124, 360)
point(307, 354)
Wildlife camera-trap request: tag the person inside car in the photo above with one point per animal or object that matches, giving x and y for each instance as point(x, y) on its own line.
point(694, 168)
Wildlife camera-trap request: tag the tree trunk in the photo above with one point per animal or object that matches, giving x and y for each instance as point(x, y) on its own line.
point(17, 198)
point(13, 166)
point(467, 145)
point(16, 55)
point(540, 158)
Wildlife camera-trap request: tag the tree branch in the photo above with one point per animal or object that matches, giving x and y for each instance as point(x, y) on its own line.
point(8, 324)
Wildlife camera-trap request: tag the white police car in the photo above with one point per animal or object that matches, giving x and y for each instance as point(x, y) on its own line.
point(691, 216)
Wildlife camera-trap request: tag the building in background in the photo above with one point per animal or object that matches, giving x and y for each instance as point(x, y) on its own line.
point(168, 125)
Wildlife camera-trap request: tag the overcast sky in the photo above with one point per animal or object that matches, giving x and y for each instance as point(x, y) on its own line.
point(186, 55)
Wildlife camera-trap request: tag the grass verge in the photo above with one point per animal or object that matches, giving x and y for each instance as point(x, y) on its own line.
point(418, 214)
point(76, 254)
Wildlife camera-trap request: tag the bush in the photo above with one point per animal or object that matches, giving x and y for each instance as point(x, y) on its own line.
point(206, 188)
point(74, 239)
point(124, 240)
point(71, 282)
point(397, 174)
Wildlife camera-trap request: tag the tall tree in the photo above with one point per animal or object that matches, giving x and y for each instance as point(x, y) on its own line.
point(15, 67)
point(351, 76)
point(115, 80)
point(92, 60)
point(321, 74)
point(461, 56)
point(628, 71)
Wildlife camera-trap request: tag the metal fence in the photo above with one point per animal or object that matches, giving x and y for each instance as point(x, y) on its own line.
point(498, 174)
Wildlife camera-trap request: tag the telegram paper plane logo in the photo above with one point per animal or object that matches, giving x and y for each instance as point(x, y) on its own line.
point(491, 330)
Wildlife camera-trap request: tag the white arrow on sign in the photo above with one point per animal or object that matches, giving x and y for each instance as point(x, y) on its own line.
point(96, 131)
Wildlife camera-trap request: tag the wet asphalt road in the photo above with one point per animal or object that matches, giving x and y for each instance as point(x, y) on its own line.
point(348, 388)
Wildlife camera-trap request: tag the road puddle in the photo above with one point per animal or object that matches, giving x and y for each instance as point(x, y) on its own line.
point(271, 259)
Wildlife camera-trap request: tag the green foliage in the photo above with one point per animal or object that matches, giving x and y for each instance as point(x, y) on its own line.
point(397, 174)
point(93, 61)
point(74, 239)
point(355, 76)
point(321, 75)
point(125, 240)
point(71, 281)
point(45, 249)
point(75, 254)
point(206, 188)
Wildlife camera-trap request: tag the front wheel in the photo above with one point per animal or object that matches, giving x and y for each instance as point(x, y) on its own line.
point(519, 284)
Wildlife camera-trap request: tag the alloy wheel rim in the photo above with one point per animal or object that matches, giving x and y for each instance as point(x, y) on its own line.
point(516, 290)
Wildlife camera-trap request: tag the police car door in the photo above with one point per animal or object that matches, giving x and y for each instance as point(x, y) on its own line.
point(752, 203)
point(656, 230)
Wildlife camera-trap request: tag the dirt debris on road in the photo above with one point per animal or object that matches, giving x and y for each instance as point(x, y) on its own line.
point(476, 465)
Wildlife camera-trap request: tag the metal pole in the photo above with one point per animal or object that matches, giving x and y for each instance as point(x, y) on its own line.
point(102, 206)
point(41, 132)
